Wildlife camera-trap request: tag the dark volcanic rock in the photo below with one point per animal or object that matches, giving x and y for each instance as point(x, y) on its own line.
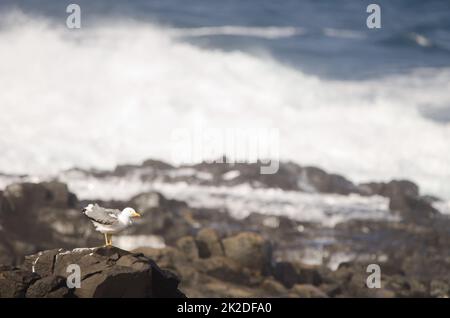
point(104, 272)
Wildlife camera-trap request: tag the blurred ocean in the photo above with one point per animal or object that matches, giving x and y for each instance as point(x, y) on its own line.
point(368, 104)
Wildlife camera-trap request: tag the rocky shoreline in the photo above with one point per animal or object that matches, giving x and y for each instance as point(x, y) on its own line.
point(216, 254)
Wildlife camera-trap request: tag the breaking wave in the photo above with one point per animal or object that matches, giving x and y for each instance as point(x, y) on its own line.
point(115, 92)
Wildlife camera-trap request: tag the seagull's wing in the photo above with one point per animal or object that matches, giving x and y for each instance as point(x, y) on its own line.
point(101, 215)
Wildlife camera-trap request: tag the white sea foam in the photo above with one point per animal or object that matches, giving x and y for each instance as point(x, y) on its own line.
point(270, 32)
point(420, 39)
point(341, 33)
point(114, 93)
point(442, 206)
point(230, 175)
point(130, 242)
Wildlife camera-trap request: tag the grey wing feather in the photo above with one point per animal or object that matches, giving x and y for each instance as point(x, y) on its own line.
point(102, 215)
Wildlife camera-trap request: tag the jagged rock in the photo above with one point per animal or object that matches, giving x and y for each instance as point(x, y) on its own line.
point(119, 281)
point(209, 243)
point(104, 272)
point(250, 250)
point(42, 263)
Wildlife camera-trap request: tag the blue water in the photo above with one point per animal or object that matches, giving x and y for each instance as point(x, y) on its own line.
point(336, 42)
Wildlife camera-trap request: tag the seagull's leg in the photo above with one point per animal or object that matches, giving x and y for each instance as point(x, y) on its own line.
point(106, 239)
point(110, 239)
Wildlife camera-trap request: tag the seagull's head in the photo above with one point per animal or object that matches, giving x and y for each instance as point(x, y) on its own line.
point(130, 213)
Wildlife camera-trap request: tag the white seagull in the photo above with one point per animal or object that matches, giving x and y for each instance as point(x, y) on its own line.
point(109, 221)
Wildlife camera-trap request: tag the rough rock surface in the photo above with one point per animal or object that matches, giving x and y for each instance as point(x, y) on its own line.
point(104, 272)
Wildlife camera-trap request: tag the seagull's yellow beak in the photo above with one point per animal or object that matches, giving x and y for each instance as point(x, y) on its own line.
point(135, 215)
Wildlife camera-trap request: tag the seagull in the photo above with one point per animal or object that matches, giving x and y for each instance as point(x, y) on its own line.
point(109, 221)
